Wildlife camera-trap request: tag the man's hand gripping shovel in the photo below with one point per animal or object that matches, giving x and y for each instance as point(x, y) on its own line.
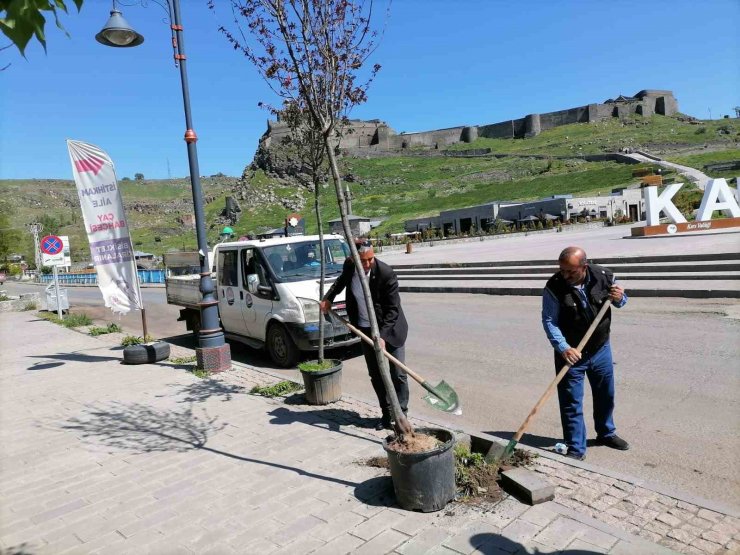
point(442, 396)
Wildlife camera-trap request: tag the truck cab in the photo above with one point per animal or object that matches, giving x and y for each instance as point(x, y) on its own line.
point(268, 294)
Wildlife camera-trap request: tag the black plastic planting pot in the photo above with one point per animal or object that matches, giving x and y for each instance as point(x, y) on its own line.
point(424, 481)
point(325, 386)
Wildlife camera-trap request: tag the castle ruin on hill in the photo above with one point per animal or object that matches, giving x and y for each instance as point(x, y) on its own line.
point(365, 136)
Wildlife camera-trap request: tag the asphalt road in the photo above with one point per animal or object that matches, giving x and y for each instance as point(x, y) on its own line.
point(676, 365)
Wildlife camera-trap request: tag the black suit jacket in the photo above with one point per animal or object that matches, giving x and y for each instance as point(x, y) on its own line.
point(386, 300)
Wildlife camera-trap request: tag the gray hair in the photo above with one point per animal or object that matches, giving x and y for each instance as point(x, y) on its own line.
point(363, 245)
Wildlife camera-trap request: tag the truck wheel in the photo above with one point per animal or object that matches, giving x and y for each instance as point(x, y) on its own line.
point(146, 353)
point(281, 347)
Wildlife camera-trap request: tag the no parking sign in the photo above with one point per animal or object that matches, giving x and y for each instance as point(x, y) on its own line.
point(52, 249)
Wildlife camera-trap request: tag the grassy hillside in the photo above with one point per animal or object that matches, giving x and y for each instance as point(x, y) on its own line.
point(153, 209)
point(395, 188)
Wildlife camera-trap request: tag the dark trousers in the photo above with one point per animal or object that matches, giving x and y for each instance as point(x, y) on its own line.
point(398, 376)
point(599, 369)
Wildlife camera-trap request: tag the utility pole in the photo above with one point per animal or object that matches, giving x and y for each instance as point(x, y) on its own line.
point(169, 173)
point(35, 229)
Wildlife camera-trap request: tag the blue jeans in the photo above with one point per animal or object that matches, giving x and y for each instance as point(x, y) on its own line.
point(600, 371)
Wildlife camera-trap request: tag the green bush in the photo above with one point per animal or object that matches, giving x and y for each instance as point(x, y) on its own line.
point(30, 305)
point(135, 340)
point(69, 321)
point(277, 390)
point(4, 298)
point(110, 328)
point(315, 366)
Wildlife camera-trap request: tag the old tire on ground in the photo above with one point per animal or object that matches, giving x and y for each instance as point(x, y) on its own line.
point(146, 353)
point(281, 347)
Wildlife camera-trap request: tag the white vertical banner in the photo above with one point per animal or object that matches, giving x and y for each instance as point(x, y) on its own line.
point(105, 222)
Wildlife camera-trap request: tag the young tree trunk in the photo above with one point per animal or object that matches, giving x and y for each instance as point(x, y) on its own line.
point(402, 425)
point(317, 207)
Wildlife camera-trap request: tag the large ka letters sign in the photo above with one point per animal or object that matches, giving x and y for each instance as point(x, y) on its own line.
point(717, 196)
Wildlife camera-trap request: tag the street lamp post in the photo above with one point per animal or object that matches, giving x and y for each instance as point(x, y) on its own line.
point(213, 353)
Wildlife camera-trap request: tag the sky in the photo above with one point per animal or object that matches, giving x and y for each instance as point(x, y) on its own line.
point(444, 63)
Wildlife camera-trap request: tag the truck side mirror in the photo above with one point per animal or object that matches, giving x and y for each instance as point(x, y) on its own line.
point(253, 282)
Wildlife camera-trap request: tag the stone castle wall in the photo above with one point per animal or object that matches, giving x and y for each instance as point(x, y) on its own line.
point(361, 136)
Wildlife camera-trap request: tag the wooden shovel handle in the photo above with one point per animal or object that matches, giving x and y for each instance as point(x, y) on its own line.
point(561, 374)
point(389, 356)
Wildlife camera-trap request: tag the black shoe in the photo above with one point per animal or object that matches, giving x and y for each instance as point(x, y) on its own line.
point(383, 424)
point(615, 442)
point(574, 456)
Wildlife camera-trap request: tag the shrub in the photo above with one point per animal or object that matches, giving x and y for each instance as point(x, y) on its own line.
point(30, 305)
point(70, 321)
point(135, 340)
point(315, 366)
point(277, 390)
point(4, 298)
point(110, 328)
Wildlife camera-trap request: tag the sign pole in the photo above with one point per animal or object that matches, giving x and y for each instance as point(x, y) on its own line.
point(56, 288)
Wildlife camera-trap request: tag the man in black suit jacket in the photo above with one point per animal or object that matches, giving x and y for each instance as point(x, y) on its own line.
point(391, 322)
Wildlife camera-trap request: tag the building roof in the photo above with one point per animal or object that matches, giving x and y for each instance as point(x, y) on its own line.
point(350, 217)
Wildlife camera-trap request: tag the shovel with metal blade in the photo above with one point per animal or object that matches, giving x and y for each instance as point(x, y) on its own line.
point(442, 397)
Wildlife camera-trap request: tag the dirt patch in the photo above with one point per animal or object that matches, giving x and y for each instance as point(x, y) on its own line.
point(375, 462)
point(521, 458)
point(482, 485)
point(417, 443)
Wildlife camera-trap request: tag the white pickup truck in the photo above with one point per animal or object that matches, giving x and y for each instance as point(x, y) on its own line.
point(267, 291)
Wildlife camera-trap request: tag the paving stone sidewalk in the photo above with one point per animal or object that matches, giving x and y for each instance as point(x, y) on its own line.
point(99, 457)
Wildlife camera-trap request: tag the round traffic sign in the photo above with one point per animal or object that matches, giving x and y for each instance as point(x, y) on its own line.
point(51, 244)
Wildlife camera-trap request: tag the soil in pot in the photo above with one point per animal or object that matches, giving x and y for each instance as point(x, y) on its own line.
point(423, 478)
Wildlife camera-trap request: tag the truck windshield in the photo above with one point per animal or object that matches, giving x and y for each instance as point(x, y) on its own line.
point(299, 261)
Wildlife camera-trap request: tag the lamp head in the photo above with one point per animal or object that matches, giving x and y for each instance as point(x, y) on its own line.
point(118, 33)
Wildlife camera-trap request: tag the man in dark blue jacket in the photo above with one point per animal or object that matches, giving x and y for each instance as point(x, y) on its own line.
point(570, 302)
point(392, 323)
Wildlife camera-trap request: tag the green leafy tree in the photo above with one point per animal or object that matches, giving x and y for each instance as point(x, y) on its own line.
point(50, 224)
point(22, 20)
point(139, 176)
point(9, 237)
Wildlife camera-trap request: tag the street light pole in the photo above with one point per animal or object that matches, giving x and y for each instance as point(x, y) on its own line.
point(213, 353)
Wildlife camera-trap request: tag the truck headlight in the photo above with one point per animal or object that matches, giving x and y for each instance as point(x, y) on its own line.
point(311, 311)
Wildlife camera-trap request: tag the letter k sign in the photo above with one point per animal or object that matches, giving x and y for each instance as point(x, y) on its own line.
point(654, 203)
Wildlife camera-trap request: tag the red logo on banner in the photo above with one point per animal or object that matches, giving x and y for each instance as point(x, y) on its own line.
point(91, 164)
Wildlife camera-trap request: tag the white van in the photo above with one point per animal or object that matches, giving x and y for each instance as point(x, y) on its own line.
point(267, 291)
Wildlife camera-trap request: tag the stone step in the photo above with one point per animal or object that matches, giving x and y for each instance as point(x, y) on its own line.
point(699, 289)
point(604, 261)
point(405, 278)
point(617, 268)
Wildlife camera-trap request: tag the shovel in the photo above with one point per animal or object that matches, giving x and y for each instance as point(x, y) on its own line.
point(509, 449)
point(442, 397)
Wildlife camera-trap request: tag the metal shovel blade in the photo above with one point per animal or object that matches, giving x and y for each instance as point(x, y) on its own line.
point(443, 397)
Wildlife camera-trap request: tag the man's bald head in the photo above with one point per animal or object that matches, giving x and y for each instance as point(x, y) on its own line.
point(573, 264)
point(573, 254)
